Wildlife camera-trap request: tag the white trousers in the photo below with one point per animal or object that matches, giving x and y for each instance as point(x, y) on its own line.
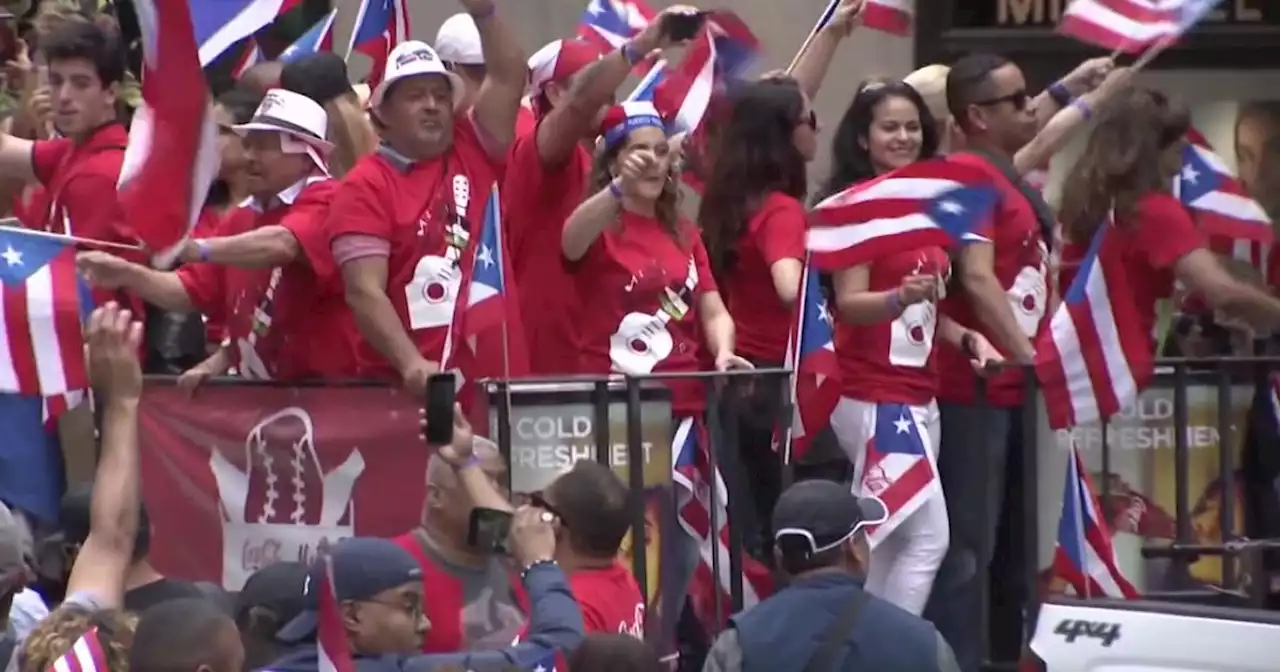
point(904, 563)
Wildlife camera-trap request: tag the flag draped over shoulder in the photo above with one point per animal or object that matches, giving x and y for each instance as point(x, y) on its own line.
point(172, 157)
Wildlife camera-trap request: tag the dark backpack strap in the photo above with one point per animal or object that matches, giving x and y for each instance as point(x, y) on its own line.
point(1044, 214)
point(833, 640)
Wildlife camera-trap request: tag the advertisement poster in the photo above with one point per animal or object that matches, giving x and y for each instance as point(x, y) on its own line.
point(1137, 493)
point(553, 426)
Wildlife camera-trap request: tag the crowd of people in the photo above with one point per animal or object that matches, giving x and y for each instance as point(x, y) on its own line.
point(340, 233)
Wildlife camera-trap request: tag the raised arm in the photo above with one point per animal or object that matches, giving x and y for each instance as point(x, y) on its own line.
point(1085, 78)
point(498, 102)
point(811, 67)
point(160, 288)
point(113, 340)
point(267, 247)
point(1068, 120)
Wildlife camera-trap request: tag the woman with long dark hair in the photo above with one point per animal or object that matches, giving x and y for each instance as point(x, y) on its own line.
point(1120, 187)
point(753, 224)
point(887, 327)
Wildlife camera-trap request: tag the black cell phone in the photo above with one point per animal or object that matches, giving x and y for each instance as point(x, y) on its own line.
point(488, 530)
point(681, 26)
point(441, 390)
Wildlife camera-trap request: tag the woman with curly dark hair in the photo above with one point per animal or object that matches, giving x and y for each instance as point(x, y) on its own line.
point(887, 331)
point(1120, 187)
point(649, 302)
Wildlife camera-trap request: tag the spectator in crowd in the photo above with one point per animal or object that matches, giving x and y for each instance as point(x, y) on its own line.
point(458, 45)
point(144, 585)
point(931, 83)
point(261, 77)
point(14, 575)
point(96, 587)
point(379, 588)
point(571, 85)
point(271, 597)
point(616, 653)
point(1257, 123)
point(400, 222)
point(1132, 156)
point(187, 635)
point(476, 602)
point(593, 512)
point(885, 338)
point(269, 275)
point(322, 77)
point(824, 619)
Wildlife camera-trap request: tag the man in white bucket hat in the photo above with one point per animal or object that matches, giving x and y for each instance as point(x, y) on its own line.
point(269, 274)
point(403, 216)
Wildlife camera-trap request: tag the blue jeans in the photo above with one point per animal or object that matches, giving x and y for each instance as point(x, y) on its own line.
point(977, 471)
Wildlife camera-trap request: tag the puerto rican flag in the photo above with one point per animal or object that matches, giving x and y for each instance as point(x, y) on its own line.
point(811, 354)
point(1084, 556)
point(318, 38)
point(333, 651)
point(933, 203)
point(172, 134)
point(380, 26)
point(486, 337)
point(899, 469)
point(86, 655)
point(699, 491)
point(1209, 188)
point(249, 57)
point(218, 26)
point(45, 301)
point(895, 17)
point(1131, 26)
point(553, 661)
point(609, 24)
point(1095, 357)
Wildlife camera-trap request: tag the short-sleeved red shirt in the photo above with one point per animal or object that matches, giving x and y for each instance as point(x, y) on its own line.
point(287, 323)
point(761, 321)
point(1156, 235)
point(611, 600)
point(526, 121)
point(1022, 267)
point(537, 201)
point(639, 290)
point(427, 210)
point(894, 362)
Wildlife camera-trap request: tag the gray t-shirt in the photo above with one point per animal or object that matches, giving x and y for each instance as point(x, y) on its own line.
point(491, 617)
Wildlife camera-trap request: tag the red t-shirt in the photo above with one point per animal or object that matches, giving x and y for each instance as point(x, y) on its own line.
point(426, 210)
point(639, 292)
point(610, 599)
point(207, 227)
point(894, 361)
point(762, 322)
point(1022, 267)
point(287, 323)
point(526, 121)
point(538, 200)
point(1155, 236)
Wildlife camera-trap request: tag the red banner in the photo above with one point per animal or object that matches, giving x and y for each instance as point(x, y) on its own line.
point(242, 476)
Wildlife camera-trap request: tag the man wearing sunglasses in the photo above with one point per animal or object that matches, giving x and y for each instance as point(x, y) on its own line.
point(825, 619)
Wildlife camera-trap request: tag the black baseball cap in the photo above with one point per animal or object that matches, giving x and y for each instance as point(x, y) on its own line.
point(278, 588)
point(362, 568)
point(818, 515)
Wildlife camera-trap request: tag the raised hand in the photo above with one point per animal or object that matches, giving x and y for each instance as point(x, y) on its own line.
point(113, 338)
point(917, 288)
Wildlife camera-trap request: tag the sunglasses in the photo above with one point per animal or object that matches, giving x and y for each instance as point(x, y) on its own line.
point(1018, 98)
point(810, 120)
point(537, 501)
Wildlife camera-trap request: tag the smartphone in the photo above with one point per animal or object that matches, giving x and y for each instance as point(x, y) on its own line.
point(682, 26)
point(8, 37)
point(441, 389)
point(488, 530)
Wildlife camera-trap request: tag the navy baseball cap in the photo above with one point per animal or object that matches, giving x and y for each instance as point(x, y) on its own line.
point(818, 515)
point(362, 568)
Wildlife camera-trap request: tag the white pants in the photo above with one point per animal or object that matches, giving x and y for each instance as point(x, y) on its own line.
point(904, 563)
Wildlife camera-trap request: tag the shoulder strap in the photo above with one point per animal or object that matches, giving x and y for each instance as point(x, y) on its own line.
point(1044, 214)
point(837, 634)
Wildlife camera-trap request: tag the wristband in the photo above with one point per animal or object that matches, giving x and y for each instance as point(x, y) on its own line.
point(473, 461)
point(615, 190)
point(629, 53)
point(894, 304)
point(1060, 94)
point(535, 564)
point(202, 250)
point(1083, 107)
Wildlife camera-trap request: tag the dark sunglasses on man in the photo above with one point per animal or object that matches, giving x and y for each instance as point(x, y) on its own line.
point(1018, 98)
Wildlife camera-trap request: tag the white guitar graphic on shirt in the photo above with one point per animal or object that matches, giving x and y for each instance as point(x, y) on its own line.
point(642, 340)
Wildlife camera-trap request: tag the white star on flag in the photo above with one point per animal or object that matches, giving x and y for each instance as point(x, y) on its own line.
point(951, 207)
point(902, 424)
point(12, 256)
point(1190, 174)
point(486, 256)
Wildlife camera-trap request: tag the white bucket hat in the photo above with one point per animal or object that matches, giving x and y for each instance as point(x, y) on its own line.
point(413, 58)
point(301, 120)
